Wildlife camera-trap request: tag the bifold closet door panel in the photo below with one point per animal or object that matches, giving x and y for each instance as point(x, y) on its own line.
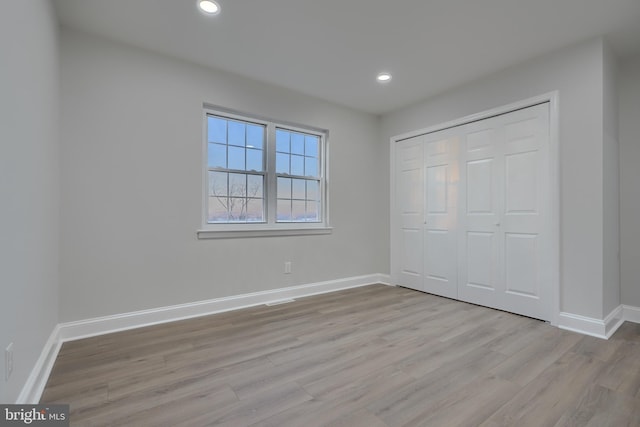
point(504, 216)
point(526, 218)
point(409, 211)
point(441, 201)
point(481, 175)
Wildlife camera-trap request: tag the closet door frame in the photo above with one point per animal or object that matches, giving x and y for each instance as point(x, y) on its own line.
point(554, 185)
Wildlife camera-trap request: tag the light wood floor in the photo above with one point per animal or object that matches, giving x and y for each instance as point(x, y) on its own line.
point(373, 356)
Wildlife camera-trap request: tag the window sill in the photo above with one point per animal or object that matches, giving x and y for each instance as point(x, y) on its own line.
point(265, 232)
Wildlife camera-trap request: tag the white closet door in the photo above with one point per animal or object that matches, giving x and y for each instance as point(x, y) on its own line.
point(409, 211)
point(441, 178)
point(526, 219)
point(479, 259)
point(505, 213)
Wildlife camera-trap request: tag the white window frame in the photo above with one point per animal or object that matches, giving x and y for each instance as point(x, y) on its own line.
point(270, 227)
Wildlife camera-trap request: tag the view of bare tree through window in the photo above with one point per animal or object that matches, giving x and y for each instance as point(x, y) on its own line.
point(236, 197)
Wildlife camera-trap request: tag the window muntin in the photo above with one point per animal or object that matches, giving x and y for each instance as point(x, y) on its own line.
point(263, 173)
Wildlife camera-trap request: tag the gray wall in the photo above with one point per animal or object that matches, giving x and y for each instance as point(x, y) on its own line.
point(577, 73)
point(29, 84)
point(629, 111)
point(131, 185)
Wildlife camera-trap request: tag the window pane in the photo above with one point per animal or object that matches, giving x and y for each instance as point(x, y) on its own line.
point(298, 210)
point(310, 166)
point(217, 156)
point(282, 141)
point(254, 160)
point(236, 158)
point(311, 146)
point(313, 211)
point(218, 184)
point(297, 165)
point(217, 130)
point(255, 186)
point(237, 185)
point(217, 209)
point(313, 189)
point(255, 210)
point(255, 136)
point(237, 209)
point(284, 188)
point(236, 133)
point(282, 163)
point(284, 210)
point(297, 143)
point(298, 189)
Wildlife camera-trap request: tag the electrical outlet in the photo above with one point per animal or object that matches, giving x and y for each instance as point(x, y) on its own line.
point(8, 361)
point(287, 267)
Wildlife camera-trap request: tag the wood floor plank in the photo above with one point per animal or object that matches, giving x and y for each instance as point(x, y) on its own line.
point(344, 401)
point(620, 373)
point(136, 383)
point(200, 389)
point(107, 370)
point(169, 411)
point(546, 398)
point(469, 406)
point(437, 353)
point(94, 395)
point(524, 332)
point(417, 399)
point(251, 411)
point(527, 364)
point(377, 356)
point(353, 370)
point(597, 348)
point(361, 418)
point(601, 407)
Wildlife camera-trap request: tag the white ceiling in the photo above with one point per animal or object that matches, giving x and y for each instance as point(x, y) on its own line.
point(333, 49)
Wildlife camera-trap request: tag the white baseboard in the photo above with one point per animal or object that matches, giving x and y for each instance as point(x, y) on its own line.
point(384, 279)
point(631, 314)
point(595, 327)
point(613, 321)
point(581, 324)
point(103, 325)
point(37, 380)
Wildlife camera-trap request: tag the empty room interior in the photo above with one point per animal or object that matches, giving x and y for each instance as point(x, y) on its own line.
point(339, 213)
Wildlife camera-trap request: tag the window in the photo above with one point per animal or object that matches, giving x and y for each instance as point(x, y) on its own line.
point(262, 176)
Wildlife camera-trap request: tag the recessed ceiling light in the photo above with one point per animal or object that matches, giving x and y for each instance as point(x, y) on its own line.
point(209, 6)
point(384, 77)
